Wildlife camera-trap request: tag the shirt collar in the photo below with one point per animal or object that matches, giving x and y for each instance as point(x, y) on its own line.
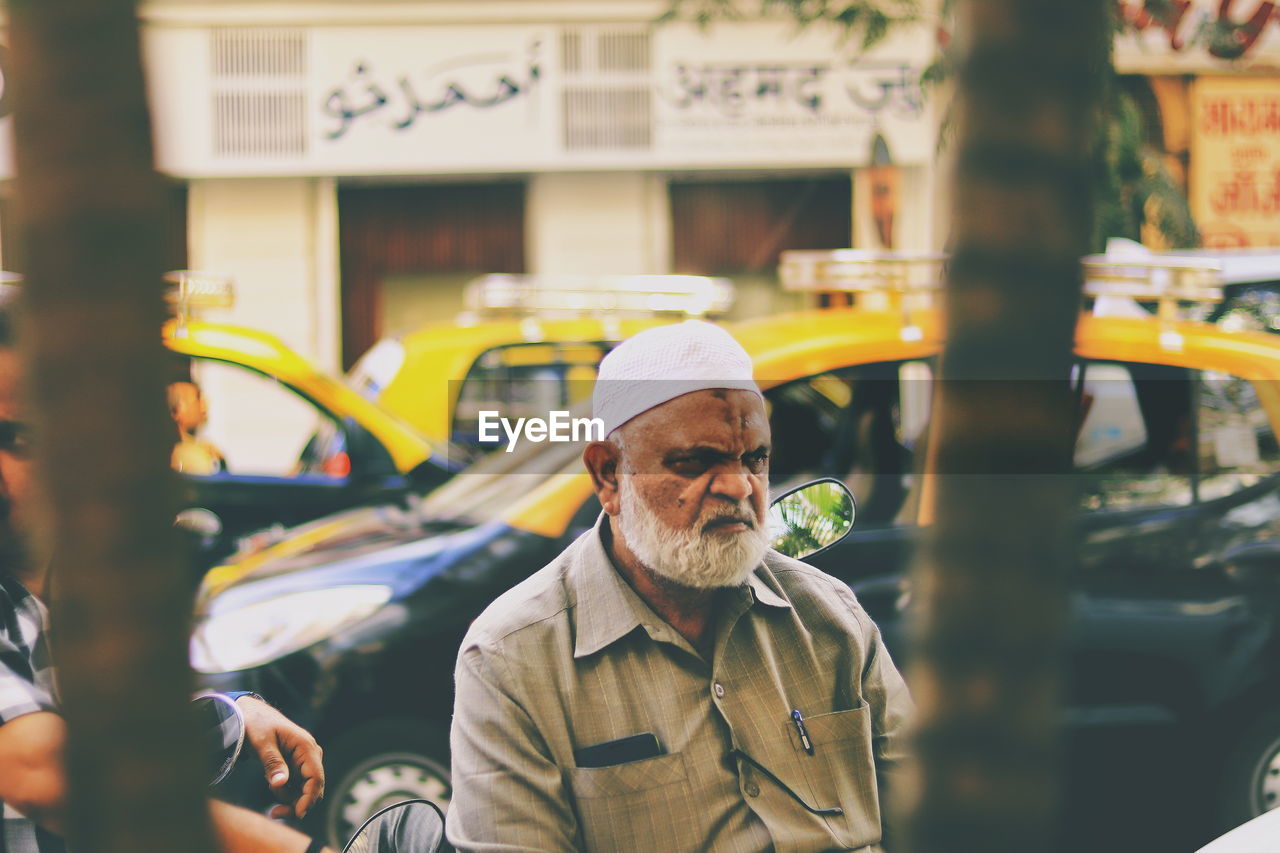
point(766, 592)
point(613, 609)
point(10, 584)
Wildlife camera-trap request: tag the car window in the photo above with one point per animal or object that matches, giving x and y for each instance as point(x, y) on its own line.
point(376, 368)
point(1236, 444)
point(262, 427)
point(859, 424)
point(524, 380)
point(1133, 448)
point(489, 486)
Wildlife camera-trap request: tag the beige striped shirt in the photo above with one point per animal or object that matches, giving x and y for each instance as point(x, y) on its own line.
point(573, 658)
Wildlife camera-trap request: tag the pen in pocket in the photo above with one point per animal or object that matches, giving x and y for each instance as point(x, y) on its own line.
point(798, 719)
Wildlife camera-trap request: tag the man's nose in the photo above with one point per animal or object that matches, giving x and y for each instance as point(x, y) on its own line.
point(733, 485)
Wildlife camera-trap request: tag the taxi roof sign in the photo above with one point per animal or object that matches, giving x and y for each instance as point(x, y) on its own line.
point(577, 295)
point(1149, 278)
point(1154, 278)
point(194, 290)
point(860, 271)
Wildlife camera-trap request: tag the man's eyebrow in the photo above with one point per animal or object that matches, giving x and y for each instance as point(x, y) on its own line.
point(700, 450)
point(706, 451)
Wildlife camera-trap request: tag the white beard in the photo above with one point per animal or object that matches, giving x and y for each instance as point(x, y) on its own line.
point(688, 557)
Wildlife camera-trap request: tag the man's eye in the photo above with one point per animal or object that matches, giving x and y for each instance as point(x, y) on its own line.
point(757, 462)
point(15, 438)
point(690, 467)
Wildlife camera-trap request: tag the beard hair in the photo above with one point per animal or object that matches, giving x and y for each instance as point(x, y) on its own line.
point(688, 556)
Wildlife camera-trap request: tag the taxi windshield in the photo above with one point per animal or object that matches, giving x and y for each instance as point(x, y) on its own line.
point(486, 489)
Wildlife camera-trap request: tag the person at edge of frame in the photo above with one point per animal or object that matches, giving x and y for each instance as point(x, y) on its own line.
point(33, 785)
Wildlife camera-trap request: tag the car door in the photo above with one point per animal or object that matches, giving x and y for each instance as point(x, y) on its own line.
point(1167, 487)
point(287, 459)
point(861, 425)
point(1178, 467)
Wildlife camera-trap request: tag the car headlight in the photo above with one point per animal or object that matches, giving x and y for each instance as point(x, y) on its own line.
point(247, 636)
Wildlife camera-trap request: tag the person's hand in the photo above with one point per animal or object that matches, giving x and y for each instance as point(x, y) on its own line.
point(285, 749)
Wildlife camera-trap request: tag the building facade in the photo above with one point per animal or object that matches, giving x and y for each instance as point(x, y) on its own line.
point(351, 165)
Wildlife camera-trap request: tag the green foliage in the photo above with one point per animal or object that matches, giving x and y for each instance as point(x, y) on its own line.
point(1117, 165)
point(701, 12)
point(812, 518)
point(864, 22)
point(1134, 192)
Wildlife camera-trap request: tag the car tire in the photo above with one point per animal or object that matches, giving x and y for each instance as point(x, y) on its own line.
point(1250, 780)
point(376, 764)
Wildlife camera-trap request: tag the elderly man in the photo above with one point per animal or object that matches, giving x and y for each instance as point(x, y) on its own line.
point(32, 734)
point(669, 683)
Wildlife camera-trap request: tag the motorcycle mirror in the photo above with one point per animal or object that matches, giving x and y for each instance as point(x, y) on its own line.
point(199, 521)
point(411, 826)
point(221, 728)
point(810, 518)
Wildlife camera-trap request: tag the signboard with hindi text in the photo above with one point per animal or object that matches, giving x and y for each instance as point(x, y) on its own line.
point(1235, 161)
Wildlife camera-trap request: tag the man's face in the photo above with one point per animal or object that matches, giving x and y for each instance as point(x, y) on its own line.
point(694, 487)
point(16, 478)
point(187, 405)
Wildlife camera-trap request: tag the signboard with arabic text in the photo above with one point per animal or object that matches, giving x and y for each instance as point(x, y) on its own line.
point(386, 99)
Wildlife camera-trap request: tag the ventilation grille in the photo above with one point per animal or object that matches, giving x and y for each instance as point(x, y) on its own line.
point(259, 53)
point(571, 52)
point(623, 52)
point(597, 118)
point(606, 102)
point(259, 92)
point(259, 124)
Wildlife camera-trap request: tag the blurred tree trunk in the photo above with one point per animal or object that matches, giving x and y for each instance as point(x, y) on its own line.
point(92, 207)
point(991, 574)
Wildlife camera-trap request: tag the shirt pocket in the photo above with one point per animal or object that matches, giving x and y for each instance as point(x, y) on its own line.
point(846, 774)
point(620, 806)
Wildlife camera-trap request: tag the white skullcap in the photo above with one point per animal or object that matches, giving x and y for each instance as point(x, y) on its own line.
point(666, 362)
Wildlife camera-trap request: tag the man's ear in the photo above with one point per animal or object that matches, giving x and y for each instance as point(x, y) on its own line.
point(602, 459)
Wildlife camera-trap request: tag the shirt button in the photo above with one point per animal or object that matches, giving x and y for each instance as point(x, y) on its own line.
point(718, 689)
point(753, 790)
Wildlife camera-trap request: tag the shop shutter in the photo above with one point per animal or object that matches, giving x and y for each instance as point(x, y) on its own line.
point(734, 227)
point(431, 228)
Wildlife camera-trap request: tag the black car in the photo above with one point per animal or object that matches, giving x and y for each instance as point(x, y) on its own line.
point(352, 624)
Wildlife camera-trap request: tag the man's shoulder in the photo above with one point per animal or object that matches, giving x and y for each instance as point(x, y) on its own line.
point(815, 594)
point(535, 601)
point(796, 574)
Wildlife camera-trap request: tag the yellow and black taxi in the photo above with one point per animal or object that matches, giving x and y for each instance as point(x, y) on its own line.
point(524, 342)
point(283, 441)
point(1174, 622)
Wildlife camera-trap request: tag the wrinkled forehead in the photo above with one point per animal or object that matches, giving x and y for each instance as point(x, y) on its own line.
point(725, 418)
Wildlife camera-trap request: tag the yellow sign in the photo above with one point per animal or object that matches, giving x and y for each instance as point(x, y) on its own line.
point(1235, 160)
